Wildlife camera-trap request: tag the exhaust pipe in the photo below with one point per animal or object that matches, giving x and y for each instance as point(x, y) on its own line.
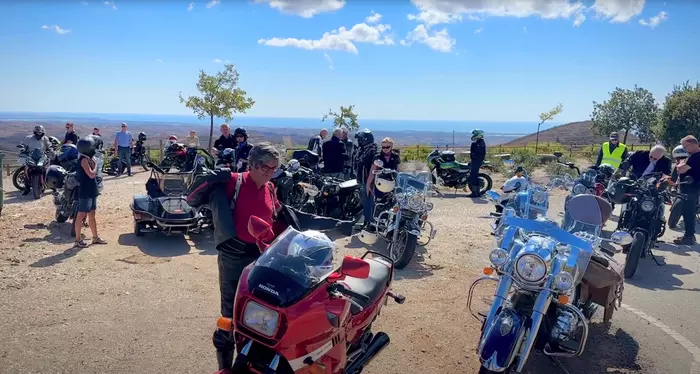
point(380, 341)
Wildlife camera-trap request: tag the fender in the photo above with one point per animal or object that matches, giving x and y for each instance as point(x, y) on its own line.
point(500, 341)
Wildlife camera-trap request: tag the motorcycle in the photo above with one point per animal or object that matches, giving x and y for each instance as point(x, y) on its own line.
point(276, 323)
point(291, 183)
point(643, 218)
point(446, 171)
point(401, 215)
point(139, 156)
point(550, 282)
point(336, 198)
point(36, 164)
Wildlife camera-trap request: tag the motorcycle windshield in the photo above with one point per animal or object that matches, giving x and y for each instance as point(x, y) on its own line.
point(36, 156)
point(293, 264)
point(420, 181)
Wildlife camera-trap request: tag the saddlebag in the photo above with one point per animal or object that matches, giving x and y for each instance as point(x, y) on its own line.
point(602, 284)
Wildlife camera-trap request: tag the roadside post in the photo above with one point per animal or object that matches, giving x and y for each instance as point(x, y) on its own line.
point(2, 190)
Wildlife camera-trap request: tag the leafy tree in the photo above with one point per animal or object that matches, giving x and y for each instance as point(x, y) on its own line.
point(220, 97)
point(347, 117)
point(547, 116)
point(680, 115)
point(629, 110)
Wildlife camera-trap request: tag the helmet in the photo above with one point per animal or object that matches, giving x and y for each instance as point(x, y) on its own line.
point(293, 165)
point(173, 138)
point(67, 153)
point(617, 191)
point(364, 137)
point(606, 169)
point(227, 155)
point(384, 184)
point(39, 130)
point(477, 133)
point(368, 237)
point(142, 136)
point(87, 145)
point(54, 141)
point(240, 131)
point(317, 251)
point(55, 176)
point(679, 152)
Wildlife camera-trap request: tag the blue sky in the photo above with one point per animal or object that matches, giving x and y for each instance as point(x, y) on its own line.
point(495, 60)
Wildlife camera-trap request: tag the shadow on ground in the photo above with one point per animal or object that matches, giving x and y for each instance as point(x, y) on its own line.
point(16, 197)
point(607, 351)
point(54, 233)
point(157, 244)
point(416, 269)
point(651, 276)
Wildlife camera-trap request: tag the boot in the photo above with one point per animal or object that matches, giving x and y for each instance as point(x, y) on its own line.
point(474, 189)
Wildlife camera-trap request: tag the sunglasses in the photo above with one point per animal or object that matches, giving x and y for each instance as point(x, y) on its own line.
point(240, 136)
point(268, 168)
point(386, 147)
point(654, 158)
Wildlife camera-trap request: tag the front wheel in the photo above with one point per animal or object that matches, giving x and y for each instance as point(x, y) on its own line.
point(401, 251)
point(36, 186)
point(485, 183)
point(19, 178)
point(145, 160)
point(634, 254)
point(60, 218)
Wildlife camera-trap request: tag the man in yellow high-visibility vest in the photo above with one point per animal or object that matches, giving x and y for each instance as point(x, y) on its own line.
point(612, 152)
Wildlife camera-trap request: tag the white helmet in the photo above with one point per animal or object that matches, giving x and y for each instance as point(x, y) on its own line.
point(384, 184)
point(679, 152)
point(368, 237)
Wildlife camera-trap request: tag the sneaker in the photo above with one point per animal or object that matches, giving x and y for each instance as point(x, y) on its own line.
point(684, 240)
point(26, 191)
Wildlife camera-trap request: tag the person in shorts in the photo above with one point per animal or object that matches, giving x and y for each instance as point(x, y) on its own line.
point(87, 192)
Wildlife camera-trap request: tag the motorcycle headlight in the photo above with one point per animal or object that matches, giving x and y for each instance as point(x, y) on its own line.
point(647, 205)
point(579, 189)
point(563, 281)
point(498, 257)
point(261, 319)
point(416, 201)
point(539, 197)
point(530, 268)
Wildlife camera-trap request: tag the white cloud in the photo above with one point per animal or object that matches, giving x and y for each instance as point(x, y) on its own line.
point(328, 59)
point(110, 4)
point(305, 8)
point(213, 3)
point(479, 30)
point(580, 18)
point(374, 18)
point(84, 2)
point(56, 28)
point(655, 20)
point(341, 39)
point(218, 61)
point(436, 40)
point(618, 11)
point(190, 7)
point(159, 60)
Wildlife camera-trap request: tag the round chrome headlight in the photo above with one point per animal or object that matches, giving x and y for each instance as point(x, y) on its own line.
point(580, 189)
point(647, 205)
point(415, 201)
point(539, 197)
point(498, 257)
point(563, 281)
point(530, 268)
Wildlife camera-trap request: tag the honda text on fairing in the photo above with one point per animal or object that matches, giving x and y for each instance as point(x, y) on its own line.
point(550, 282)
point(450, 173)
point(295, 314)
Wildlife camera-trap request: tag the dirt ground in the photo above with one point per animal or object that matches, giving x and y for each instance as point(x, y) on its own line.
point(150, 304)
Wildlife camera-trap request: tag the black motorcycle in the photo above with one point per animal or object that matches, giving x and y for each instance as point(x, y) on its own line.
point(643, 217)
point(36, 164)
point(19, 177)
point(292, 182)
point(448, 172)
point(337, 198)
point(139, 156)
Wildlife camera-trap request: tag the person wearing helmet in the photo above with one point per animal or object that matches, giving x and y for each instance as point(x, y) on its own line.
point(242, 149)
point(678, 154)
point(124, 144)
point(477, 154)
point(87, 193)
point(364, 155)
point(690, 167)
point(612, 152)
point(37, 140)
point(226, 140)
point(644, 163)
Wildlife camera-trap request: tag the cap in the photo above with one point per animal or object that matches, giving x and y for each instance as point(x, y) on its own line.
point(614, 136)
point(520, 169)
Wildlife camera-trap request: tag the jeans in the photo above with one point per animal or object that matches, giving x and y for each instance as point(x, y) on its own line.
point(689, 210)
point(124, 154)
point(367, 204)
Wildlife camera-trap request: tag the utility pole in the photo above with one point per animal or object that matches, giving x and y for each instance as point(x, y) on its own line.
point(453, 139)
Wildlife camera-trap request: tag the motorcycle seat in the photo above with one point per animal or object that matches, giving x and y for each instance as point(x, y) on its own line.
point(372, 286)
point(464, 165)
point(349, 184)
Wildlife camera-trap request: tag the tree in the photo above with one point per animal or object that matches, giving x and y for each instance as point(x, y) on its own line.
point(220, 97)
point(547, 116)
point(347, 117)
point(680, 115)
point(629, 110)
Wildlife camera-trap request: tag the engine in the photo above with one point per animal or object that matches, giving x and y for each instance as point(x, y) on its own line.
point(452, 177)
point(565, 332)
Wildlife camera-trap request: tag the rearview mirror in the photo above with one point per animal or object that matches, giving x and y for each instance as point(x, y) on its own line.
point(558, 154)
point(354, 267)
point(493, 196)
point(621, 238)
point(378, 163)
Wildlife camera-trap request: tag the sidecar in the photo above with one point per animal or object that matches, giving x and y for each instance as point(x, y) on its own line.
point(164, 206)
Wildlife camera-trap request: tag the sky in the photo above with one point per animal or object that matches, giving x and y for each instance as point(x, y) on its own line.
point(481, 60)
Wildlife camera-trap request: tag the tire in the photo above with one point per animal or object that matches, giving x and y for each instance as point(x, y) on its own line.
point(485, 183)
point(60, 218)
point(483, 370)
point(165, 164)
point(37, 188)
point(634, 254)
point(144, 162)
point(676, 213)
point(19, 179)
point(409, 249)
point(138, 228)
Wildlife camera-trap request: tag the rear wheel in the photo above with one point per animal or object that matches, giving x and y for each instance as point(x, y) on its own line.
point(634, 254)
point(19, 178)
point(485, 183)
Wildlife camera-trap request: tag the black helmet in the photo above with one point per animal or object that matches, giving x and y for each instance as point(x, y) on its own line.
point(240, 131)
point(39, 130)
point(617, 192)
point(87, 145)
point(142, 136)
point(55, 176)
point(54, 141)
point(364, 137)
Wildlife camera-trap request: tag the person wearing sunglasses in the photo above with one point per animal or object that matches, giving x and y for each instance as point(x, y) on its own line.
point(71, 137)
point(643, 163)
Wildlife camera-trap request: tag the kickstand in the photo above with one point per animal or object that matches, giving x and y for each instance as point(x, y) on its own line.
point(559, 364)
point(655, 260)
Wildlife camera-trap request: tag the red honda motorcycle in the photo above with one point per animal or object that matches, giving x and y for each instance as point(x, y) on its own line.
point(295, 313)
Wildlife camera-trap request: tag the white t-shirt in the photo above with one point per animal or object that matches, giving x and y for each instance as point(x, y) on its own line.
point(512, 184)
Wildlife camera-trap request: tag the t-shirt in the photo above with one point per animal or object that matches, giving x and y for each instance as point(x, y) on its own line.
point(252, 201)
point(694, 162)
point(72, 137)
point(392, 163)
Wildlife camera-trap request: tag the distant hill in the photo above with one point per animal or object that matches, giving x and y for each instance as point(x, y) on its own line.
point(571, 134)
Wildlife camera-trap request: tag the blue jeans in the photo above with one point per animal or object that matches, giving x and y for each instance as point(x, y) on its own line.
point(367, 204)
point(124, 154)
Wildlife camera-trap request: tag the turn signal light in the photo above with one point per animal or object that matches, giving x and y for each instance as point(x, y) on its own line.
point(563, 299)
point(224, 323)
point(488, 270)
point(424, 217)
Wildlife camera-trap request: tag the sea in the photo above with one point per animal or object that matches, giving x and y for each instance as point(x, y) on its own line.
point(489, 127)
